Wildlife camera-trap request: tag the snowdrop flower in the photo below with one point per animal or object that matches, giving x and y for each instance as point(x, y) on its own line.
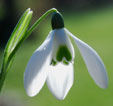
point(53, 62)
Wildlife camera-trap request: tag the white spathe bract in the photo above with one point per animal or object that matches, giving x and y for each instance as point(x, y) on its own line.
point(60, 76)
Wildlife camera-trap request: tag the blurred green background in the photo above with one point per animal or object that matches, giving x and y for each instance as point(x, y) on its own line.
point(91, 21)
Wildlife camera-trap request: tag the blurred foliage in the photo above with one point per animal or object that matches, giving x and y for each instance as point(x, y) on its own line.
point(7, 19)
point(81, 4)
point(94, 27)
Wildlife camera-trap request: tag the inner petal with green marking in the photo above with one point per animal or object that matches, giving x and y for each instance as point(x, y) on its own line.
point(62, 55)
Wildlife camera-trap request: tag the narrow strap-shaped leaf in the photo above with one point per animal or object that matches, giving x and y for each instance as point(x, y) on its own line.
point(17, 34)
point(14, 43)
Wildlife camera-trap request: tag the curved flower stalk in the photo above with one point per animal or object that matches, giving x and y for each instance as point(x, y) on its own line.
point(53, 62)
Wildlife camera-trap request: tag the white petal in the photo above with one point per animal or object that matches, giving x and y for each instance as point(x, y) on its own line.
point(60, 80)
point(93, 62)
point(37, 68)
point(61, 38)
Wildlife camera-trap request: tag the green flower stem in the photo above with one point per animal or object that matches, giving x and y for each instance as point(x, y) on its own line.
point(34, 26)
point(18, 36)
point(3, 74)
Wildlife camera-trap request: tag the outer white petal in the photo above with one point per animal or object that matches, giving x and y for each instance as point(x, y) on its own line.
point(61, 38)
point(37, 68)
point(93, 62)
point(60, 80)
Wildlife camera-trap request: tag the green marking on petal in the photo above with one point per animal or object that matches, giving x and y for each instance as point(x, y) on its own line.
point(65, 62)
point(53, 62)
point(63, 52)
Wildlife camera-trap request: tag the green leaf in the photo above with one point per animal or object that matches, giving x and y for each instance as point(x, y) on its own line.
point(17, 36)
point(14, 42)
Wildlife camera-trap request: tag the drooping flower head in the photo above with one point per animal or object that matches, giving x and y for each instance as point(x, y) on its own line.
point(53, 62)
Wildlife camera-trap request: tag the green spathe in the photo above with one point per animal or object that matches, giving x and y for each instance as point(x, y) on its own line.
point(53, 62)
